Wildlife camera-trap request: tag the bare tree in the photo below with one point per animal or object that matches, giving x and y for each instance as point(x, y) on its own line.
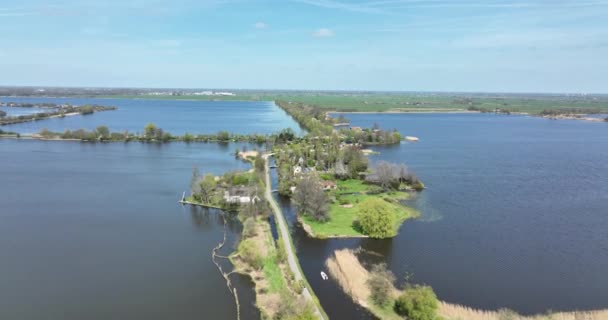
point(385, 172)
point(310, 199)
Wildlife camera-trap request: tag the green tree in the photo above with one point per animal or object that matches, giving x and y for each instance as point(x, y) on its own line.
point(103, 132)
point(417, 303)
point(377, 218)
point(223, 136)
point(380, 284)
point(207, 186)
point(150, 130)
point(87, 110)
point(188, 137)
point(259, 163)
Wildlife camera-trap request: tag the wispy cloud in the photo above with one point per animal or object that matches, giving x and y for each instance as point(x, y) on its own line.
point(323, 33)
point(260, 25)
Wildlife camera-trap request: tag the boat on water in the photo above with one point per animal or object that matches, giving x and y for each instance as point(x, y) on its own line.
point(324, 275)
point(411, 138)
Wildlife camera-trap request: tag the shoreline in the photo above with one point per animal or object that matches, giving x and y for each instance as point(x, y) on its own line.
point(347, 271)
point(455, 111)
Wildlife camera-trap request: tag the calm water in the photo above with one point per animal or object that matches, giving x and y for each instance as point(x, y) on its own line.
point(94, 231)
point(176, 117)
point(15, 112)
point(515, 214)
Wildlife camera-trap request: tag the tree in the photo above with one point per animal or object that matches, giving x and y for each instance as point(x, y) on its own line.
point(259, 163)
point(223, 136)
point(195, 187)
point(387, 174)
point(87, 110)
point(2, 114)
point(188, 137)
point(355, 159)
point(150, 130)
point(103, 132)
point(417, 303)
point(377, 218)
point(310, 199)
point(207, 185)
point(380, 284)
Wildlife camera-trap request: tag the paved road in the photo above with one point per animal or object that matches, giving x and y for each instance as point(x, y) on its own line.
point(292, 259)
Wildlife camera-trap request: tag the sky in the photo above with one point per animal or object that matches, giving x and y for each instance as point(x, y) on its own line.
point(397, 45)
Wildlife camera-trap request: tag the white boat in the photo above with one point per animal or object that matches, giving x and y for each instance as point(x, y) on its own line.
point(324, 275)
point(411, 138)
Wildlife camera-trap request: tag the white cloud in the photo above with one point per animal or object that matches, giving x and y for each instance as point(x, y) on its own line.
point(260, 25)
point(323, 33)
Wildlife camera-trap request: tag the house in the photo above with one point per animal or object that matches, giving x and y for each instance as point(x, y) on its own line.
point(328, 185)
point(356, 128)
point(297, 170)
point(239, 195)
point(239, 199)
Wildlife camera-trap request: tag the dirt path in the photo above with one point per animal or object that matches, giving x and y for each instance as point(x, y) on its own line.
point(292, 260)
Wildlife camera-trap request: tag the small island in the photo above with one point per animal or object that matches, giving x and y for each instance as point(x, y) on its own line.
point(55, 111)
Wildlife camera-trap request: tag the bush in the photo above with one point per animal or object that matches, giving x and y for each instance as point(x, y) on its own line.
point(377, 218)
point(281, 252)
point(380, 284)
point(250, 254)
point(417, 303)
point(249, 228)
point(87, 110)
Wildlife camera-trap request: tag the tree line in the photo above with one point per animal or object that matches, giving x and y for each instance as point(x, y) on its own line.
point(61, 112)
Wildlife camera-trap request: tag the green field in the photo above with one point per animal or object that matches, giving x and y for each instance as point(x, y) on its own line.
point(412, 102)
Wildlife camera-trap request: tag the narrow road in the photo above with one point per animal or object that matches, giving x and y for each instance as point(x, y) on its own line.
point(292, 259)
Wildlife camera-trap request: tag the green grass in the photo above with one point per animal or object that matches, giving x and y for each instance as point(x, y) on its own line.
point(342, 220)
point(272, 272)
point(352, 186)
point(379, 102)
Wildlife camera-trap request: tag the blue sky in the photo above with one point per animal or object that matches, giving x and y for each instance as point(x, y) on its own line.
point(409, 45)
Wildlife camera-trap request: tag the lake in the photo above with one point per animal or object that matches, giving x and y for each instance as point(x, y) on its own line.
point(514, 215)
point(174, 116)
point(94, 231)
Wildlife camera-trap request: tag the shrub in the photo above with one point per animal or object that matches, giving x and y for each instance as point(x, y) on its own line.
point(87, 110)
point(377, 218)
point(417, 303)
point(380, 284)
point(250, 254)
point(249, 228)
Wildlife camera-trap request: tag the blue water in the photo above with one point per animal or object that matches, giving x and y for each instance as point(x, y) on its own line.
point(174, 116)
point(94, 231)
point(15, 112)
point(515, 214)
